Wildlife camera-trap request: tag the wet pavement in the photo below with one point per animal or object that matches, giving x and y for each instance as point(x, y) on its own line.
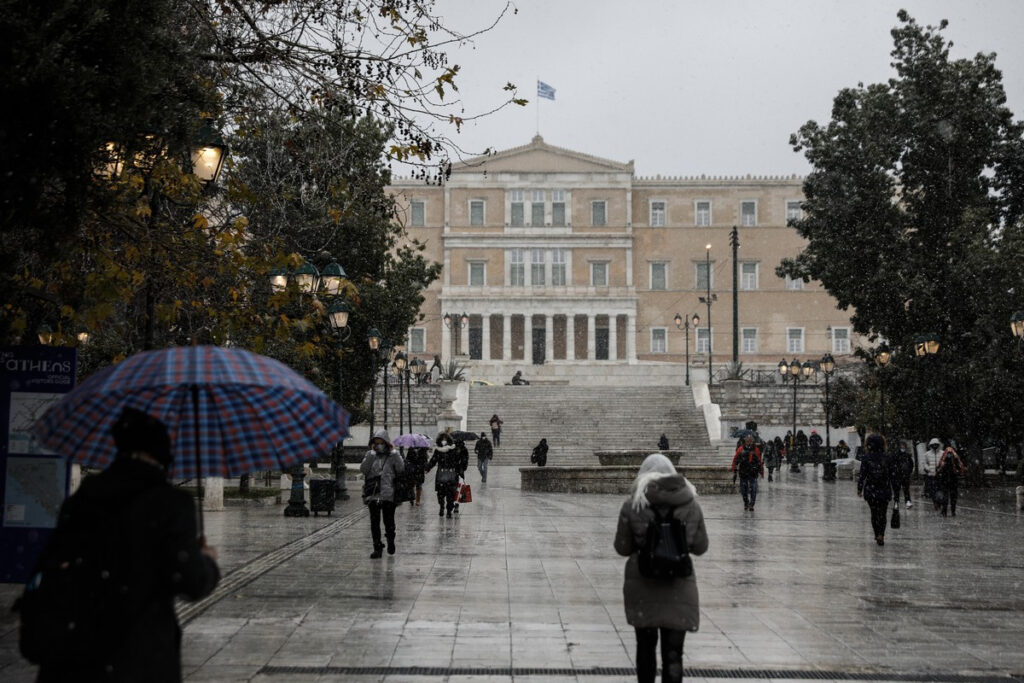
point(525, 586)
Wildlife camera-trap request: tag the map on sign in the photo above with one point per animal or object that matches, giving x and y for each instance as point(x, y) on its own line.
point(35, 483)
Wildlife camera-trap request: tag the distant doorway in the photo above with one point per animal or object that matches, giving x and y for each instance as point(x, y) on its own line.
point(476, 343)
point(601, 342)
point(538, 346)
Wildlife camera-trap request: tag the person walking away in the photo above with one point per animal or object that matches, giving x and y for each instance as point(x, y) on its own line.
point(539, 456)
point(380, 467)
point(132, 527)
point(948, 472)
point(446, 481)
point(877, 483)
point(416, 464)
point(771, 459)
point(663, 443)
point(484, 453)
point(665, 607)
point(904, 472)
point(801, 446)
point(929, 461)
point(815, 444)
point(748, 465)
point(496, 423)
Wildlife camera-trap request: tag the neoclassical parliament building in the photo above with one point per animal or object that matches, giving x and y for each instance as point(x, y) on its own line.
point(556, 257)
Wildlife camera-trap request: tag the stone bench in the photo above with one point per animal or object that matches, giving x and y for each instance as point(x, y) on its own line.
point(617, 479)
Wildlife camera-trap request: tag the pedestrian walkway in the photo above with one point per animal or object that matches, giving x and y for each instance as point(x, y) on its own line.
point(526, 587)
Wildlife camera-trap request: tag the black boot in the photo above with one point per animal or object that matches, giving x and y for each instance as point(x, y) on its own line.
point(378, 551)
point(391, 545)
point(440, 511)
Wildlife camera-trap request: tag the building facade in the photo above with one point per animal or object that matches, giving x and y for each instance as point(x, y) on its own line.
point(554, 256)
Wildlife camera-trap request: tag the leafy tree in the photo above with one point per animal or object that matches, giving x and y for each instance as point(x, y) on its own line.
point(913, 218)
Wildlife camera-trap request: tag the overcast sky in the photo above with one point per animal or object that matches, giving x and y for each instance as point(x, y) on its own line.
point(690, 87)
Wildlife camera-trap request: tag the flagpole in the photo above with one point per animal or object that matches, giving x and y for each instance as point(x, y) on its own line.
point(537, 97)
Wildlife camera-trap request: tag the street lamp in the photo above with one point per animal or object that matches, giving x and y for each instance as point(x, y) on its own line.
point(400, 365)
point(684, 324)
point(707, 299)
point(795, 372)
point(208, 153)
point(882, 356)
point(926, 345)
point(373, 340)
point(827, 365)
point(456, 323)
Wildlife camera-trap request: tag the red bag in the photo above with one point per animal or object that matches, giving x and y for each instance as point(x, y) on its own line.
point(465, 494)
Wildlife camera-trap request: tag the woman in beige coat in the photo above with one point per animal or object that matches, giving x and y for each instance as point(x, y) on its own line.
point(668, 605)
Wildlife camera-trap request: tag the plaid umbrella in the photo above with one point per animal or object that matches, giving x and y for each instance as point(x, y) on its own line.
point(228, 412)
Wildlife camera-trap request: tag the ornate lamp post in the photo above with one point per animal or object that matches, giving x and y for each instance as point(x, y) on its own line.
point(795, 372)
point(927, 346)
point(373, 340)
point(882, 356)
point(707, 299)
point(684, 324)
point(455, 323)
point(827, 365)
point(400, 364)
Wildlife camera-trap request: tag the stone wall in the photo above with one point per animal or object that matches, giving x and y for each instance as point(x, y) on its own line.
point(426, 405)
point(773, 404)
point(616, 479)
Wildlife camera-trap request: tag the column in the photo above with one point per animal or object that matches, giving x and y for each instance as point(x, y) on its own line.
point(464, 339)
point(446, 342)
point(570, 336)
point(549, 337)
point(631, 337)
point(591, 337)
point(506, 337)
point(485, 336)
point(613, 337)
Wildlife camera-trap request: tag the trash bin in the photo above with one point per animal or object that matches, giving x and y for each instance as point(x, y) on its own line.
point(321, 496)
point(830, 471)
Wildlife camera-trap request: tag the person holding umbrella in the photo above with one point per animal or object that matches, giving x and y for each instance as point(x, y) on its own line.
point(446, 481)
point(380, 467)
point(143, 533)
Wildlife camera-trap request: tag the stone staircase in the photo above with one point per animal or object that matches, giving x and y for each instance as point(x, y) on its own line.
point(577, 420)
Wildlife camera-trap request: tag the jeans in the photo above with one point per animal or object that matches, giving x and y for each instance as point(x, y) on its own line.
point(748, 489)
point(671, 655)
point(952, 490)
point(388, 509)
point(481, 464)
point(496, 437)
point(905, 485)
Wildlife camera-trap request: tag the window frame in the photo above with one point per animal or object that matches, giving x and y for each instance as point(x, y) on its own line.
point(835, 347)
point(651, 213)
point(413, 333)
point(757, 276)
point(483, 212)
point(483, 272)
point(799, 209)
point(744, 338)
point(709, 337)
point(515, 201)
point(696, 275)
point(604, 266)
point(696, 213)
point(514, 266)
point(663, 339)
point(795, 284)
point(742, 222)
point(560, 266)
point(534, 263)
point(664, 276)
point(789, 340)
point(422, 204)
point(604, 213)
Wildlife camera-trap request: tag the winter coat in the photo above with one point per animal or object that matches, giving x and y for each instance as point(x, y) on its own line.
point(159, 559)
point(904, 464)
point(929, 461)
point(463, 454)
point(496, 423)
point(815, 441)
point(878, 477)
point(666, 603)
point(539, 456)
point(386, 466)
point(950, 467)
point(745, 454)
point(446, 459)
point(416, 462)
point(483, 449)
point(663, 443)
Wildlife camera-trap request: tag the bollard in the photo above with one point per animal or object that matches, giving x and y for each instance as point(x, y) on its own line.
point(213, 493)
point(1020, 497)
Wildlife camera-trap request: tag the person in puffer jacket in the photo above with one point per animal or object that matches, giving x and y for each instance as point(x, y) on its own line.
point(669, 606)
point(381, 464)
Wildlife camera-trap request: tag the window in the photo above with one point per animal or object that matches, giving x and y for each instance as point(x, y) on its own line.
point(659, 335)
point(793, 210)
point(537, 268)
point(748, 213)
point(840, 340)
point(749, 344)
point(598, 274)
point(794, 340)
point(598, 213)
point(558, 267)
point(658, 276)
point(516, 215)
point(703, 340)
point(702, 276)
point(417, 213)
point(748, 276)
point(417, 340)
point(702, 214)
point(657, 214)
point(476, 212)
point(477, 273)
point(794, 285)
point(537, 209)
point(516, 269)
point(558, 208)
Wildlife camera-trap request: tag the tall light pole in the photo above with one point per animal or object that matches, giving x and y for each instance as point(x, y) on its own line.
point(373, 340)
point(400, 363)
point(456, 323)
point(827, 365)
point(882, 356)
point(684, 324)
point(795, 372)
point(927, 346)
point(734, 241)
point(707, 299)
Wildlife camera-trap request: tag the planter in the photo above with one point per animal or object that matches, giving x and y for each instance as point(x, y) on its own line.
point(632, 458)
point(732, 389)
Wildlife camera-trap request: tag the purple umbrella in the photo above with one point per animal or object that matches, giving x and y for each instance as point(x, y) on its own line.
point(413, 440)
point(228, 412)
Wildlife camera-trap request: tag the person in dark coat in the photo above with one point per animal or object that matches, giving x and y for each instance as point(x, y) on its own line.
point(484, 452)
point(663, 443)
point(158, 556)
point(539, 456)
point(747, 464)
point(815, 443)
point(380, 467)
point(496, 423)
point(949, 469)
point(801, 445)
point(517, 379)
point(904, 470)
point(416, 464)
point(446, 481)
point(665, 607)
point(463, 454)
point(771, 459)
point(877, 483)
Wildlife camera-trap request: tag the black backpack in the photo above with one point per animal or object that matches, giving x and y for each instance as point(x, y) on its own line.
point(665, 554)
point(876, 474)
point(748, 465)
point(72, 608)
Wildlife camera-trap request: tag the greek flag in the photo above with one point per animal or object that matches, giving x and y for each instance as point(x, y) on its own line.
point(546, 91)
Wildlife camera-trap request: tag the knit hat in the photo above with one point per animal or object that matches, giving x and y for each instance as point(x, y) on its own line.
point(136, 431)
